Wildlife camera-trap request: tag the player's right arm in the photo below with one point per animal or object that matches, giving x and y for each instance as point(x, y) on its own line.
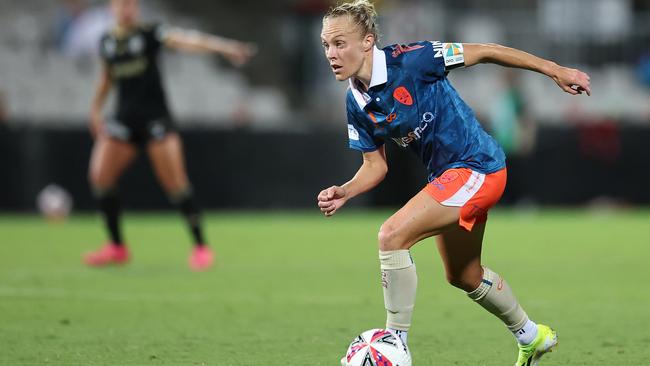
point(238, 53)
point(370, 174)
point(101, 93)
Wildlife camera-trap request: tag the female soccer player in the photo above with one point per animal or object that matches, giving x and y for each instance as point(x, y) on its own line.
point(401, 93)
point(142, 120)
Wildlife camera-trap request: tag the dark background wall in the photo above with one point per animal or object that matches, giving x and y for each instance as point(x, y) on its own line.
point(247, 169)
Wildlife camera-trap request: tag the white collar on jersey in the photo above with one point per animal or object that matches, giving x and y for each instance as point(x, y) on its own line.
point(379, 76)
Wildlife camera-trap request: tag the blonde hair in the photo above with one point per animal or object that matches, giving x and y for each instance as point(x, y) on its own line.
point(362, 13)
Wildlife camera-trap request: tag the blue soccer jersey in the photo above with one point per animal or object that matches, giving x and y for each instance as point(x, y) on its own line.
point(411, 102)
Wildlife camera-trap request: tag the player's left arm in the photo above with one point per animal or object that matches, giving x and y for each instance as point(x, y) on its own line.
point(572, 81)
point(237, 52)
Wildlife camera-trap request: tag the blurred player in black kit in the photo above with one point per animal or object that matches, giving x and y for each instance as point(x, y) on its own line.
point(142, 120)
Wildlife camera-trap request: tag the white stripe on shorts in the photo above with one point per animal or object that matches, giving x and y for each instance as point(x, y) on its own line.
point(467, 191)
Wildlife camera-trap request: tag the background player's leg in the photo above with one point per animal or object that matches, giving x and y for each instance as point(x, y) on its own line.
point(420, 218)
point(109, 159)
point(461, 254)
point(169, 164)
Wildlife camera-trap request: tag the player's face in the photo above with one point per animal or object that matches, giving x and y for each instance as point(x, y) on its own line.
point(126, 12)
point(344, 45)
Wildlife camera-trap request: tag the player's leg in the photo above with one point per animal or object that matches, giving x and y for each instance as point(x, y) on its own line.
point(166, 155)
point(460, 251)
point(109, 158)
point(420, 218)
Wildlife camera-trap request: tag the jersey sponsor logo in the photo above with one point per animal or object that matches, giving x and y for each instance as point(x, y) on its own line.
point(398, 49)
point(416, 134)
point(353, 134)
point(129, 68)
point(402, 95)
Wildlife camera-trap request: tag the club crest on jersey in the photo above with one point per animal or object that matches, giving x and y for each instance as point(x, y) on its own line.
point(398, 49)
point(402, 95)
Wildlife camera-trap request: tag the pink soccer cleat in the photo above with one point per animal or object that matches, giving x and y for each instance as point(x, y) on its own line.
point(106, 255)
point(201, 258)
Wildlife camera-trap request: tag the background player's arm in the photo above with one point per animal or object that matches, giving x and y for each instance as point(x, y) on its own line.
point(570, 80)
point(238, 53)
point(372, 172)
point(102, 89)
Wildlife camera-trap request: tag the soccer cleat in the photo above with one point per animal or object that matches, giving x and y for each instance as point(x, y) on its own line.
point(544, 342)
point(106, 255)
point(201, 258)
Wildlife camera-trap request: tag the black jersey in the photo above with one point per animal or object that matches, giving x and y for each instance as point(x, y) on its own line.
point(132, 62)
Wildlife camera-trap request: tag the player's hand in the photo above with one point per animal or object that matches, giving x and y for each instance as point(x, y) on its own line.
point(240, 53)
point(331, 199)
point(96, 125)
point(572, 81)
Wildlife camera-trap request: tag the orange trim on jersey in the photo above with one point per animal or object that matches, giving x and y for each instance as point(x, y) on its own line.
point(372, 117)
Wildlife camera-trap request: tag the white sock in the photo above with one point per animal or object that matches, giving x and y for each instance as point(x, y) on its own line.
point(403, 334)
point(495, 296)
point(527, 334)
point(399, 281)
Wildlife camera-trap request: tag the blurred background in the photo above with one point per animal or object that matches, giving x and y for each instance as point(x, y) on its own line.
point(273, 134)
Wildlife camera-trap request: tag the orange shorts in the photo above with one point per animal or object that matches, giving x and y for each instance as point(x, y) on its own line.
point(475, 193)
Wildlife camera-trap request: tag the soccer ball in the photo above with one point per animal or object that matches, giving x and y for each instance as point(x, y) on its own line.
point(377, 347)
point(54, 202)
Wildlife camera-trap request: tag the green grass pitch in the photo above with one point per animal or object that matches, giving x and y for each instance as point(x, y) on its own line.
point(295, 288)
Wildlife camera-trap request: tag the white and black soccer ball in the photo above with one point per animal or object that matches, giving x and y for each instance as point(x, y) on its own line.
point(377, 347)
point(54, 202)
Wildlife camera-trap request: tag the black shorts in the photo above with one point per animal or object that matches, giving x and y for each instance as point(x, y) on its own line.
point(140, 132)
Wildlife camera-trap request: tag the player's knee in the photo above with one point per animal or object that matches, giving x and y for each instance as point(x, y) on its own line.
point(176, 186)
point(390, 239)
point(98, 181)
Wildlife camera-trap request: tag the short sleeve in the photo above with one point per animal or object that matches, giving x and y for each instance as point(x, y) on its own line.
point(359, 135)
point(156, 34)
point(433, 59)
